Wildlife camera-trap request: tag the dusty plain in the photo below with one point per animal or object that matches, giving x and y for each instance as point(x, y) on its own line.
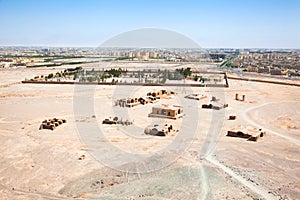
point(198, 162)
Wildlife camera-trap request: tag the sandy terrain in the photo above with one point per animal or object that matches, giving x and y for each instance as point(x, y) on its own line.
point(198, 162)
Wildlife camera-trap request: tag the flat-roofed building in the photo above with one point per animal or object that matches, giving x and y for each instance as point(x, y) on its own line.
point(166, 111)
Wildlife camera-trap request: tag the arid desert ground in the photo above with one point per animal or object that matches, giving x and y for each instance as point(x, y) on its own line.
point(85, 159)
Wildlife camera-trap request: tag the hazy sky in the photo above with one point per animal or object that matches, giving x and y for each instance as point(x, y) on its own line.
point(221, 23)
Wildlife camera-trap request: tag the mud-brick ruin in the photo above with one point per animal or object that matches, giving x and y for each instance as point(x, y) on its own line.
point(251, 134)
point(51, 124)
point(160, 130)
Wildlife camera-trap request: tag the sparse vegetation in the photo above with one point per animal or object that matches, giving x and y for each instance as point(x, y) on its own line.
point(50, 76)
point(115, 72)
point(185, 72)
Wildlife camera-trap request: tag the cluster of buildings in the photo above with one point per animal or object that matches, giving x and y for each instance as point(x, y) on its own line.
point(172, 55)
point(18, 61)
point(132, 102)
point(158, 111)
point(44, 56)
point(35, 52)
point(151, 97)
point(274, 63)
point(135, 55)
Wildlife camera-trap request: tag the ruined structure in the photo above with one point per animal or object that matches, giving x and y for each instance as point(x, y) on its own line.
point(214, 106)
point(195, 96)
point(117, 121)
point(251, 134)
point(166, 111)
point(108, 121)
point(161, 94)
point(150, 98)
point(214, 99)
point(51, 124)
point(132, 102)
point(207, 106)
point(240, 99)
point(160, 130)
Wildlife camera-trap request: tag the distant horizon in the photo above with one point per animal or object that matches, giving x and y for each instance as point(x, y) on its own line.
point(95, 47)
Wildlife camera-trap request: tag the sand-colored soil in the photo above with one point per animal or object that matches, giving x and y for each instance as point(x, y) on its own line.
point(198, 162)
